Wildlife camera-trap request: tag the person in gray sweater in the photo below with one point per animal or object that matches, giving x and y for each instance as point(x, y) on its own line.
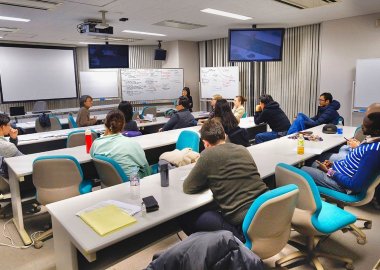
point(8, 148)
point(230, 172)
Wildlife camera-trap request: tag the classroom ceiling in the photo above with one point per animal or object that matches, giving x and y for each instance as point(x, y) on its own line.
point(59, 25)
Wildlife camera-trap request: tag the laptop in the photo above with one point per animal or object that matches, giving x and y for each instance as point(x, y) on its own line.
point(15, 111)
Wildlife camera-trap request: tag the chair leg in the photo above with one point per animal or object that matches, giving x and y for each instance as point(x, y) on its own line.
point(43, 236)
point(317, 264)
point(293, 256)
point(361, 238)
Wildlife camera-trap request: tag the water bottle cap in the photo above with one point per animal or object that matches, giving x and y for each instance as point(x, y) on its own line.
point(87, 132)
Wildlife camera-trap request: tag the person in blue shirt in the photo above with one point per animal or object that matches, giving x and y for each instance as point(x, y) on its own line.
point(353, 173)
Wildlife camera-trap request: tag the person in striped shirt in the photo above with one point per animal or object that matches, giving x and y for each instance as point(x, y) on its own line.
point(355, 172)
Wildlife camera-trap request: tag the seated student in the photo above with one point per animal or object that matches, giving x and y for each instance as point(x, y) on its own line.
point(238, 110)
point(213, 101)
point(269, 111)
point(346, 175)
point(123, 150)
point(230, 124)
point(8, 148)
point(186, 93)
point(231, 173)
point(182, 118)
point(126, 108)
point(327, 114)
point(83, 116)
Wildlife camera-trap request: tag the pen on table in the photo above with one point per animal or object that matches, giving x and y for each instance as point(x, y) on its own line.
point(346, 139)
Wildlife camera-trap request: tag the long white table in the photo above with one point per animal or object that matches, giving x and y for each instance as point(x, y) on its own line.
point(71, 233)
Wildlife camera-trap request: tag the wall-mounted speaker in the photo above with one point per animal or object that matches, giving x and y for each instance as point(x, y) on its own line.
point(160, 54)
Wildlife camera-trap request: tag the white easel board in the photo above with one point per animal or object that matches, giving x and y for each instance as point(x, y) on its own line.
point(367, 82)
point(99, 84)
point(220, 80)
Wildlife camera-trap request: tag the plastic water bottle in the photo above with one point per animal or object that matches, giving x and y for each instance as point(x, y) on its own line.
point(143, 209)
point(339, 127)
point(134, 181)
point(300, 145)
point(88, 138)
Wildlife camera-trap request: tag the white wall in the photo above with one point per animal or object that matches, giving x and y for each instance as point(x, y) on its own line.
point(342, 43)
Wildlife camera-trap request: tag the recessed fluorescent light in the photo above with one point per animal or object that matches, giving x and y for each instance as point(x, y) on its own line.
point(143, 33)
point(226, 14)
point(14, 19)
point(1, 37)
point(88, 42)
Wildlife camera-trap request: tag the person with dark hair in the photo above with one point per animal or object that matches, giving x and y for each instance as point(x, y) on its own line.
point(186, 93)
point(350, 175)
point(83, 116)
point(8, 148)
point(238, 110)
point(126, 108)
point(223, 113)
point(123, 150)
point(269, 112)
point(231, 173)
point(327, 114)
point(182, 118)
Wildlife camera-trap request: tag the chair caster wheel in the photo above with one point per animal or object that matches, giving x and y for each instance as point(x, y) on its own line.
point(344, 230)
point(38, 244)
point(368, 224)
point(36, 208)
point(350, 266)
point(361, 241)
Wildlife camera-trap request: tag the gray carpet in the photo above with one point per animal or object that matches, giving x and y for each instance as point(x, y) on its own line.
point(365, 256)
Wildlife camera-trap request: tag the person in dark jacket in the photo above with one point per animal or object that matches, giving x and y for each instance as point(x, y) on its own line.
point(186, 93)
point(126, 108)
point(269, 111)
point(182, 118)
point(327, 114)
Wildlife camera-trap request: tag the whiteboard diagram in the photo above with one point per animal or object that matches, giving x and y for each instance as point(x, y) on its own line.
point(220, 80)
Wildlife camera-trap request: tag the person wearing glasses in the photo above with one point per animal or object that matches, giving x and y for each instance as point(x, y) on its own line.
point(327, 114)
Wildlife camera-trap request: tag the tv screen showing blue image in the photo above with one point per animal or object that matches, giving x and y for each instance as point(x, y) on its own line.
point(108, 56)
point(257, 44)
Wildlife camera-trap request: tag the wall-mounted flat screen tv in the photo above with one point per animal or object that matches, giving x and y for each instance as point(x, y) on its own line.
point(255, 44)
point(108, 56)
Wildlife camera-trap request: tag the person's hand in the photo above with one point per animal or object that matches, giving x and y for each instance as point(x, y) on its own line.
point(258, 108)
point(353, 143)
point(13, 133)
point(322, 166)
point(160, 130)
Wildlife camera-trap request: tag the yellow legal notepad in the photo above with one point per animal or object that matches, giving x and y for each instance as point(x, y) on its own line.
point(107, 219)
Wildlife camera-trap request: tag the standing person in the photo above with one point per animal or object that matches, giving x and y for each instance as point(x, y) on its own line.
point(327, 114)
point(126, 108)
point(268, 111)
point(186, 93)
point(182, 118)
point(231, 173)
point(224, 115)
point(238, 110)
point(126, 152)
point(8, 148)
point(83, 116)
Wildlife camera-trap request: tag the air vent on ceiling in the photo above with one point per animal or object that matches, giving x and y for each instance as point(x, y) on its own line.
point(302, 4)
point(34, 4)
point(180, 25)
point(8, 30)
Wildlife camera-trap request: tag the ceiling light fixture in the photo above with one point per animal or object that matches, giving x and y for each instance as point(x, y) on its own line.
point(226, 14)
point(88, 42)
point(143, 33)
point(14, 19)
point(34, 4)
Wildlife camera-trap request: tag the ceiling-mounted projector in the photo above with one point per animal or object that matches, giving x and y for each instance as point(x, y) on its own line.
point(96, 27)
point(103, 24)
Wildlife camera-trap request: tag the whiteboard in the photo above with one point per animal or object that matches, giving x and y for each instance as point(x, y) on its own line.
point(220, 80)
point(99, 84)
point(367, 82)
point(37, 73)
point(151, 84)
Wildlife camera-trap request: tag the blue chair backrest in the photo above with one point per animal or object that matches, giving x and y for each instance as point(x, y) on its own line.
point(72, 121)
point(115, 165)
point(80, 140)
point(188, 139)
point(244, 115)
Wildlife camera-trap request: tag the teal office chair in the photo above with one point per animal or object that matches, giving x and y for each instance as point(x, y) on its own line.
point(371, 172)
point(312, 217)
point(72, 123)
point(55, 124)
point(109, 171)
point(57, 178)
point(148, 110)
point(267, 240)
point(77, 138)
point(188, 139)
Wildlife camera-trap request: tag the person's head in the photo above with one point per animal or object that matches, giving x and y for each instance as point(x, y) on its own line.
point(126, 108)
point(85, 101)
point(115, 121)
point(374, 107)
point(183, 103)
point(239, 100)
point(214, 99)
point(5, 125)
point(212, 133)
point(264, 100)
point(186, 91)
point(371, 124)
point(325, 99)
point(223, 110)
